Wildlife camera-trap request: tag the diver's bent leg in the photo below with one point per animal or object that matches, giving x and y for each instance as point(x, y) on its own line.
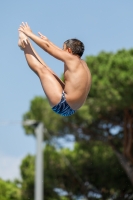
point(44, 64)
point(23, 43)
point(51, 86)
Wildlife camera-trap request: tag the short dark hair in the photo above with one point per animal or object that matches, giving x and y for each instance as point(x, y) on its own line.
point(76, 46)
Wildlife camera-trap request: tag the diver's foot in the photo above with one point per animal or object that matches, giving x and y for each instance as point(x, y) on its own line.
point(23, 39)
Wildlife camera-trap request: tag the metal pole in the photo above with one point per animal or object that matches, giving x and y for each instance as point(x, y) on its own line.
point(39, 163)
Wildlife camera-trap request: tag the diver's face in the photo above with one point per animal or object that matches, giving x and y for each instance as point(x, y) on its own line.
point(64, 47)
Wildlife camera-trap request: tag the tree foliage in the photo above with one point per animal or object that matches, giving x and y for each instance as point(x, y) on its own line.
point(107, 115)
point(9, 191)
point(90, 167)
point(27, 173)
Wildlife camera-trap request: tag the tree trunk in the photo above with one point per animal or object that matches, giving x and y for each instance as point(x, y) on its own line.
point(128, 134)
point(124, 160)
point(127, 166)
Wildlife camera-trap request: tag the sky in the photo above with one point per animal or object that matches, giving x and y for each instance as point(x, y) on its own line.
point(100, 25)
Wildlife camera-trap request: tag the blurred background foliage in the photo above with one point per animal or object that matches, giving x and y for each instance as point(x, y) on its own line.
point(10, 190)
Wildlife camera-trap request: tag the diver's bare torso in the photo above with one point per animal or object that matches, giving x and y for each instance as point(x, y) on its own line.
point(77, 83)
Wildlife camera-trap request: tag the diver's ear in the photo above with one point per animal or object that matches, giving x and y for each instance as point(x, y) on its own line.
point(69, 50)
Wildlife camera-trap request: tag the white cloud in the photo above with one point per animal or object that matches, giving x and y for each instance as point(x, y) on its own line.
point(9, 167)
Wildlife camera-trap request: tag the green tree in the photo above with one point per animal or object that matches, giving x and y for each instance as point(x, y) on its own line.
point(27, 173)
point(107, 115)
point(9, 190)
point(88, 168)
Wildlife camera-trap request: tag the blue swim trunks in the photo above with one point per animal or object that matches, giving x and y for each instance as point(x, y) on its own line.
point(62, 108)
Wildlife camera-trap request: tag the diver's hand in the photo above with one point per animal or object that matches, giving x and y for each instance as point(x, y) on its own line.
point(42, 36)
point(24, 27)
